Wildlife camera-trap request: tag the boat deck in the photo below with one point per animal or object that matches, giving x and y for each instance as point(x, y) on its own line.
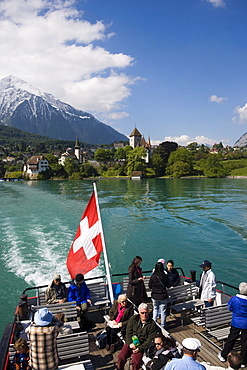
point(102, 359)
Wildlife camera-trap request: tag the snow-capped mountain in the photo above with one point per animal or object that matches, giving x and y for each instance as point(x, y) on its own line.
point(242, 141)
point(29, 109)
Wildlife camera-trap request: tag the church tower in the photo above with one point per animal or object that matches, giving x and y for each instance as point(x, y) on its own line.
point(135, 138)
point(77, 150)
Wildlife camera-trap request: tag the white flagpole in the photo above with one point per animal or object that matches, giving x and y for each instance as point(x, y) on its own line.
point(108, 276)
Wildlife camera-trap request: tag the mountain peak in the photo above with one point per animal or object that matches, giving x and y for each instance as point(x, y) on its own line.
point(27, 108)
point(13, 82)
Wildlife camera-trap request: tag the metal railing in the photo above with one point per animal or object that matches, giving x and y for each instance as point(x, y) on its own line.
point(9, 329)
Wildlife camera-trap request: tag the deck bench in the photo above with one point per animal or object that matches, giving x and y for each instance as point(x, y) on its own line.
point(216, 321)
point(182, 298)
point(73, 345)
point(98, 295)
point(69, 346)
point(68, 308)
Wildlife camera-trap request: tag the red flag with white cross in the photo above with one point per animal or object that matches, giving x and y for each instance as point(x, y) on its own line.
point(85, 251)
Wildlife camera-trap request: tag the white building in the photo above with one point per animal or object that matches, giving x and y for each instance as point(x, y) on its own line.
point(35, 165)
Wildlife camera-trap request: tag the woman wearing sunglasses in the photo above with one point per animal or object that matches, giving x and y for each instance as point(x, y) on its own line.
point(120, 313)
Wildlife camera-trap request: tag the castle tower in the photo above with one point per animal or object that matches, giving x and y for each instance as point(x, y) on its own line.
point(135, 138)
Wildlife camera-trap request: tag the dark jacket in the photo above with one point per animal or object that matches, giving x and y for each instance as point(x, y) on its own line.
point(144, 333)
point(158, 285)
point(173, 276)
point(127, 313)
point(162, 356)
point(79, 293)
point(21, 362)
point(136, 290)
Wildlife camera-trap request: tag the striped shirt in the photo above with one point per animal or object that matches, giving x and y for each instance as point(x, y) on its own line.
point(43, 343)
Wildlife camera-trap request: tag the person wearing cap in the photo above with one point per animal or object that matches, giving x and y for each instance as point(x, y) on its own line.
point(238, 306)
point(191, 347)
point(79, 292)
point(43, 334)
point(207, 284)
point(56, 291)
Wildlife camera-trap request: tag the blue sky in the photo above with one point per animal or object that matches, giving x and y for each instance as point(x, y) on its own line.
point(175, 68)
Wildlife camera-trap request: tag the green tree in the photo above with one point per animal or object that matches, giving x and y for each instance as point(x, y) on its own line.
point(157, 164)
point(45, 175)
point(51, 158)
point(15, 175)
point(180, 169)
point(127, 149)
point(70, 166)
point(87, 170)
point(183, 156)
point(213, 167)
point(103, 155)
point(120, 154)
point(136, 160)
point(193, 147)
point(58, 170)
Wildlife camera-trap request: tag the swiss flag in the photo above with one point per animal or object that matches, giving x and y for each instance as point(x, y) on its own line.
point(85, 251)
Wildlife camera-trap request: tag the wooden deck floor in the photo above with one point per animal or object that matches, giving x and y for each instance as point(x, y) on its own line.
point(102, 359)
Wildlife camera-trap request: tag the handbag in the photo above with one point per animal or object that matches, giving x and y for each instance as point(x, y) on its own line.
point(100, 339)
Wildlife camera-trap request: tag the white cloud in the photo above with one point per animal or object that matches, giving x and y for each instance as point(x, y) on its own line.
point(216, 99)
point(184, 140)
point(49, 45)
point(217, 3)
point(242, 114)
point(117, 115)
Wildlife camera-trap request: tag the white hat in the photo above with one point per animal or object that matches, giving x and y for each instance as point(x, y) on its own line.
point(162, 261)
point(191, 344)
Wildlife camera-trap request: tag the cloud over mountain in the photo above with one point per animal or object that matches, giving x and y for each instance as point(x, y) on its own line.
point(51, 45)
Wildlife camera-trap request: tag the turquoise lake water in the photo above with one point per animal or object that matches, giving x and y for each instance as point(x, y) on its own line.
point(187, 220)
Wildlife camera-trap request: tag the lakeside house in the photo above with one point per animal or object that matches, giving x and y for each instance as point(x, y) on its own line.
point(35, 165)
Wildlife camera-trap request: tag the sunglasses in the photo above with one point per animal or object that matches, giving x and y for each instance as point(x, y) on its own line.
point(143, 313)
point(123, 301)
point(158, 344)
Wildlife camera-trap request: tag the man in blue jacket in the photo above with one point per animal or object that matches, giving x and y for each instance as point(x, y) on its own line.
point(79, 292)
point(238, 306)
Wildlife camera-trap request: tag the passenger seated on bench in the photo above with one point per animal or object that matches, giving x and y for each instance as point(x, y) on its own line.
point(234, 361)
point(120, 313)
point(21, 357)
point(79, 292)
point(66, 328)
point(140, 332)
point(172, 273)
point(56, 291)
point(162, 351)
